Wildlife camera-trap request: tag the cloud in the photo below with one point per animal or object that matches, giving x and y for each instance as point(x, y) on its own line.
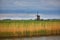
point(28, 16)
point(17, 16)
point(35, 4)
point(44, 6)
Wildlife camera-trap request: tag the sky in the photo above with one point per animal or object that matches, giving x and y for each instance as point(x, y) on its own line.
point(27, 9)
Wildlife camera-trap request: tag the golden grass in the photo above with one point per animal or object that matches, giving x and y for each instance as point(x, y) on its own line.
point(32, 26)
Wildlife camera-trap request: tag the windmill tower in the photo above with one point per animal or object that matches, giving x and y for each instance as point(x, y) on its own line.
point(38, 16)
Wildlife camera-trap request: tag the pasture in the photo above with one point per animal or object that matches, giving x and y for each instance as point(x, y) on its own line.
point(29, 27)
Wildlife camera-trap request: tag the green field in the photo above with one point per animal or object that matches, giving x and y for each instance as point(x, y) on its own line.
point(29, 27)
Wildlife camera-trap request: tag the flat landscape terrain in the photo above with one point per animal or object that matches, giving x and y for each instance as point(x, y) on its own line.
point(29, 27)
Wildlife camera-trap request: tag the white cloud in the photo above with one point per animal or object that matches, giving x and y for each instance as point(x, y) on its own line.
point(28, 16)
point(17, 16)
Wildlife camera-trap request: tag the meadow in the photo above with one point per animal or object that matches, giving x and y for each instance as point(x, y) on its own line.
point(29, 28)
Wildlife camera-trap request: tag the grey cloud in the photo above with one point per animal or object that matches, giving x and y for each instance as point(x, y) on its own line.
point(37, 4)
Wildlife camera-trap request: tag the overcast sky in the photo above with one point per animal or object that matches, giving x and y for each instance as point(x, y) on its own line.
point(27, 9)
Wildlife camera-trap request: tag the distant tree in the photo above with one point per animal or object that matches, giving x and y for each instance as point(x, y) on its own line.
point(6, 19)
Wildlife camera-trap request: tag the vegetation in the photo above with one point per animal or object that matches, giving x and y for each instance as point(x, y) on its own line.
point(29, 27)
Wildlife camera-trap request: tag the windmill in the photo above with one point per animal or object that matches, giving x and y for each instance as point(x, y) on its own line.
point(38, 16)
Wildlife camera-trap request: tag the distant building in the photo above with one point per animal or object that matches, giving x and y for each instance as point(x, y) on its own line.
point(38, 16)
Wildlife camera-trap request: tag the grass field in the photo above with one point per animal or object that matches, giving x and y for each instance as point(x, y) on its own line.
point(29, 27)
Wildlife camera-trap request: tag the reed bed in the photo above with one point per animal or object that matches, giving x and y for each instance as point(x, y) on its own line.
point(29, 28)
